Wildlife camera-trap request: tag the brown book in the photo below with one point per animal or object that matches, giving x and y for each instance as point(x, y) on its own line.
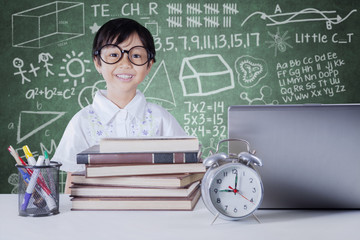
point(140, 203)
point(147, 169)
point(93, 155)
point(106, 191)
point(150, 144)
point(152, 181)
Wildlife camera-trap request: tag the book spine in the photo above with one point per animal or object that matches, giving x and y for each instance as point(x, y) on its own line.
point(137, 158)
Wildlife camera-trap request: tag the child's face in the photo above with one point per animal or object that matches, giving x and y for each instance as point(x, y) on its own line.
point(123, 77)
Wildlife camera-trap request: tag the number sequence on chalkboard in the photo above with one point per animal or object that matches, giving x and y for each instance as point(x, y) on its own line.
point(204, 42)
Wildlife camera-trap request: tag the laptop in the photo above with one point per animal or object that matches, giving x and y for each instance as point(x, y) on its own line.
point(310, 153)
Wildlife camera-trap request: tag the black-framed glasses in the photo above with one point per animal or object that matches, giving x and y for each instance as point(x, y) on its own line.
point(111, 54)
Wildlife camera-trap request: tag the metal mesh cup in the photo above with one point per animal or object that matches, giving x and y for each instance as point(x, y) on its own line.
point(39, 190)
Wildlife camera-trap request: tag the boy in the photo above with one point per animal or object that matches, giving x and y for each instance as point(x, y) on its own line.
point(123, 53)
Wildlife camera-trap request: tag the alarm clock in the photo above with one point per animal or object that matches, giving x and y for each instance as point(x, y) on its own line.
point(231, 187)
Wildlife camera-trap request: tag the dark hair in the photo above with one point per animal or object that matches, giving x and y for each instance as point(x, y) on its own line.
point(120, 29)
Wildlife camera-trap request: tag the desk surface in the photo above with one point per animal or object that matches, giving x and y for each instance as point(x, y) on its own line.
point(275, 224)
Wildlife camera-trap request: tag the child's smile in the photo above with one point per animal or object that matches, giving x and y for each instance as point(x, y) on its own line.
point(125, 77)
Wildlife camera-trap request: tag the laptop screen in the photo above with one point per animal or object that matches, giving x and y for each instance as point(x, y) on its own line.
point(310, 153)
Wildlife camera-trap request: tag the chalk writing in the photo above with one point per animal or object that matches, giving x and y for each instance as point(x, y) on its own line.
point(310, 77)
point(305, 15)
point(200, 115)
point(207, 42)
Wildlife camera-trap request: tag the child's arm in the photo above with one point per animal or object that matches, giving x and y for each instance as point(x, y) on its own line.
point(72, 142)
point(172, 127)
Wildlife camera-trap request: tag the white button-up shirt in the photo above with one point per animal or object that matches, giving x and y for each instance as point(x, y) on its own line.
point(104, 119)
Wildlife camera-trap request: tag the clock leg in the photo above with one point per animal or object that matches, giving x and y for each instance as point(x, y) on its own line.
point(256, 218)
point(217, 215)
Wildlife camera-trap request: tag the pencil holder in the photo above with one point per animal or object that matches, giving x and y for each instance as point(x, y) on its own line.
point(39, 190)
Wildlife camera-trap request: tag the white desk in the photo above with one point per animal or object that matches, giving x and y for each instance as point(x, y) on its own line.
point(171, 225)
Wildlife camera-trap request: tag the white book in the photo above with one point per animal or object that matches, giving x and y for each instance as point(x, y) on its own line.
point(150, 144)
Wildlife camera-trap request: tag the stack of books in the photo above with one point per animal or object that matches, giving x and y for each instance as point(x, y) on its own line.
point(139, 174)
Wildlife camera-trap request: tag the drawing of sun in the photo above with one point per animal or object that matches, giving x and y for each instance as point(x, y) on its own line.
point(74, 68)
point(279, 41)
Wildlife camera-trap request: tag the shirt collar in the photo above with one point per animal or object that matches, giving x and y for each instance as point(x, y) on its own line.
point(135, 108)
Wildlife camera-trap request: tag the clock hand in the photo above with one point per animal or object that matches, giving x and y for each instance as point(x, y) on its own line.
point(237, 191)
point(226, 190)
point(247, 199)
point(234, 190)
point(236, 180)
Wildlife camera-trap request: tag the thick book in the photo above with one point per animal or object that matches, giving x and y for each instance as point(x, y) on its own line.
point(149, 144)
point(147, 169)
point(139, 203)
point(106, 191)
point(93, 155)
point(151, 181)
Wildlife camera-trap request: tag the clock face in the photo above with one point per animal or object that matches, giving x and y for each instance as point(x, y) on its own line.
point(236, 190)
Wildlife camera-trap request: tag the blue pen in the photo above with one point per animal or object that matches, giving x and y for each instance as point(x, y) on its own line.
point(25, 176)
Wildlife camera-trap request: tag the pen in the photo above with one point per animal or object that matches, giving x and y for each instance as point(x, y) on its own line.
point(16, 156)
point(25, 176)
point(18, 159)
point(30, 158)
point(47, 163)
point(31, 185)
point(32, 161)
point(47, 160)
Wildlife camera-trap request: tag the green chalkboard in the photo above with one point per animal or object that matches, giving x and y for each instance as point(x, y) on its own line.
point(210, 55)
